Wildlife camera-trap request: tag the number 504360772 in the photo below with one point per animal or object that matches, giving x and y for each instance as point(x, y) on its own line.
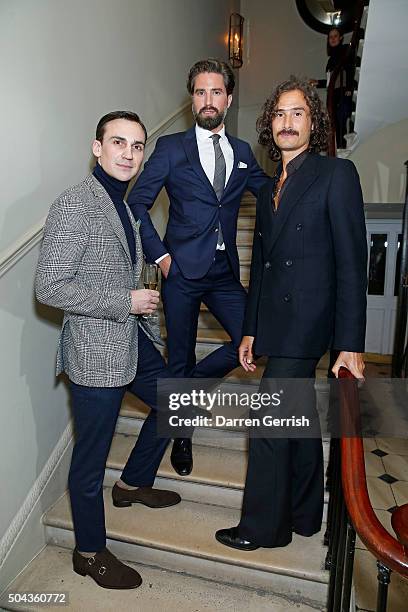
point(38, 598)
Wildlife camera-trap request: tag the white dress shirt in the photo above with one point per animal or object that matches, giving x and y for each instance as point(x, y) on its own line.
point(206, 152)
point(207, 159)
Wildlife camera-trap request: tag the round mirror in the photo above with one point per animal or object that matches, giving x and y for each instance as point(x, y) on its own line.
point(322, 15)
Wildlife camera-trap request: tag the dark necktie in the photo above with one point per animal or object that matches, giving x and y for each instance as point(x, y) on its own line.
point(219, 177)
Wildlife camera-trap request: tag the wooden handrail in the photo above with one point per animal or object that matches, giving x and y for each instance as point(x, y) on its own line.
point(376, 538)
point(333, 77)
point(391, 552)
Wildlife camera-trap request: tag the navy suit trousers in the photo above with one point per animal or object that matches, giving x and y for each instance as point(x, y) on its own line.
point(95, 412)
point(224, 297)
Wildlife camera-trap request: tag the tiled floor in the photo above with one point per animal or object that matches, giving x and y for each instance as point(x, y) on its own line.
point(386, 463)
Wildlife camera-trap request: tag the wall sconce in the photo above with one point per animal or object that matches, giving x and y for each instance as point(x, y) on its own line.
point(235, 40)
point(335, 18)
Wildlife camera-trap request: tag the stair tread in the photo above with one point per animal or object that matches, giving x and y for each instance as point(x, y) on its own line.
point(160, 590)
point(189, 529)
point(247, 211)
point(220, 467)
point(246, 224)
point(214, 466)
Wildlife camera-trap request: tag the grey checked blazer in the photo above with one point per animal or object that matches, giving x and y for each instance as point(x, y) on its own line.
point(85, 268)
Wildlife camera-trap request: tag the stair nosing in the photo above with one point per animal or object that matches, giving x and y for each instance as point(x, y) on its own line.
point(149, 542)
point(204, 480)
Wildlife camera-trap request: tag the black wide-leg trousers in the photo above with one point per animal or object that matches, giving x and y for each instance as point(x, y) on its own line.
point(284, 483)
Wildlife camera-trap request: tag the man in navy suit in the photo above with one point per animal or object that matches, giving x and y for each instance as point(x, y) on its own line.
point(307, 293)
point(205, 172)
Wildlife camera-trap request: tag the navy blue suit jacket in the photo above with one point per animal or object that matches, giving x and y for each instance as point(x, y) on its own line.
point(308, 281)
point(194, 213)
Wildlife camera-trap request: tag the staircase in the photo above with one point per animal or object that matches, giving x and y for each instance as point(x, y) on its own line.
point(381, 99)
point(353, 138)
point(380, 68)
point(183, 567)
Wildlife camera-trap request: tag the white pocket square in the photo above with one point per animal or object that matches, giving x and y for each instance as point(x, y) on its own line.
point(242, 165)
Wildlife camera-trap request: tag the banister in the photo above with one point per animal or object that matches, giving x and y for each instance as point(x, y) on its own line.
point(333, 77)
point(385, 548)
point(350, 510)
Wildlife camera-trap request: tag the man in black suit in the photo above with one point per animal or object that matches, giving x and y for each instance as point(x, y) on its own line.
point(307, 293)
point(205, 171)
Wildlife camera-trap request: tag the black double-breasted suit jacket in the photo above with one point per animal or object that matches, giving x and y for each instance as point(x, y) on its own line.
point(308, 280)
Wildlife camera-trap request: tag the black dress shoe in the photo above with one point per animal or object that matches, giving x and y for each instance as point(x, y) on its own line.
point(181, 456)
point(230, 537)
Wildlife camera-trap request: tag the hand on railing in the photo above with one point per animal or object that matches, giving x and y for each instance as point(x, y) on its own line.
point(352, 361)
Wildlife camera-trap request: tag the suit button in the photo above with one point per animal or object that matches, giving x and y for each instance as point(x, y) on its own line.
point(299, 227)
point(216, 229)
point(287, 298)
point(288, 263)
point(267, 265)
point(219, 205)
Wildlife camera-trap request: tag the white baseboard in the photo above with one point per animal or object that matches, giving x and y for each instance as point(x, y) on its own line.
point(25, 537)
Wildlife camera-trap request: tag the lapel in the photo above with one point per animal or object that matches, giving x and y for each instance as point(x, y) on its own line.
point(109, 210)
point(235, 172)
point(139, 249)
point(266, 214)
point(299, 184)
point(191, 149)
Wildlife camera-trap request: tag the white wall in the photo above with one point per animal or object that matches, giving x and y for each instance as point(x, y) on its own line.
point(62, 65)
point(383, 83)
point(380, 163)
point(277, 44)
point(34, 407)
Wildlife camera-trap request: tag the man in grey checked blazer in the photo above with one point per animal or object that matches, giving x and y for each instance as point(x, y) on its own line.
point(90, 264)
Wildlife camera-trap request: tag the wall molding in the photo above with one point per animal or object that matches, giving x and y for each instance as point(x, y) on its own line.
point(17, 524)
point(162, 127)
point(23, 245)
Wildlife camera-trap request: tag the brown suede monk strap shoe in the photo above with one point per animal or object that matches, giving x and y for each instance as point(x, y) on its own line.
point(106, 569)
point(153, 498)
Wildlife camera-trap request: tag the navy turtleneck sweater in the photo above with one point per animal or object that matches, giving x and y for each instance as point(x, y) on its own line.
point(116, 190)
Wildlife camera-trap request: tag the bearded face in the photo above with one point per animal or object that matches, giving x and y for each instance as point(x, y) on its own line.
point(210, 101)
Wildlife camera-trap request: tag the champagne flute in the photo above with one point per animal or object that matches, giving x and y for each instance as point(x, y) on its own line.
point(150, 281)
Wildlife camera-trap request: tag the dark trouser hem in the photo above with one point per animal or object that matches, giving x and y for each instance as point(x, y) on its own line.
point(264, 543)
point(95, 412)
point(307, 533)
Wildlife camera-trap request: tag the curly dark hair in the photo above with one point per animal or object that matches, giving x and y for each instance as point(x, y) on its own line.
point(320, 119)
